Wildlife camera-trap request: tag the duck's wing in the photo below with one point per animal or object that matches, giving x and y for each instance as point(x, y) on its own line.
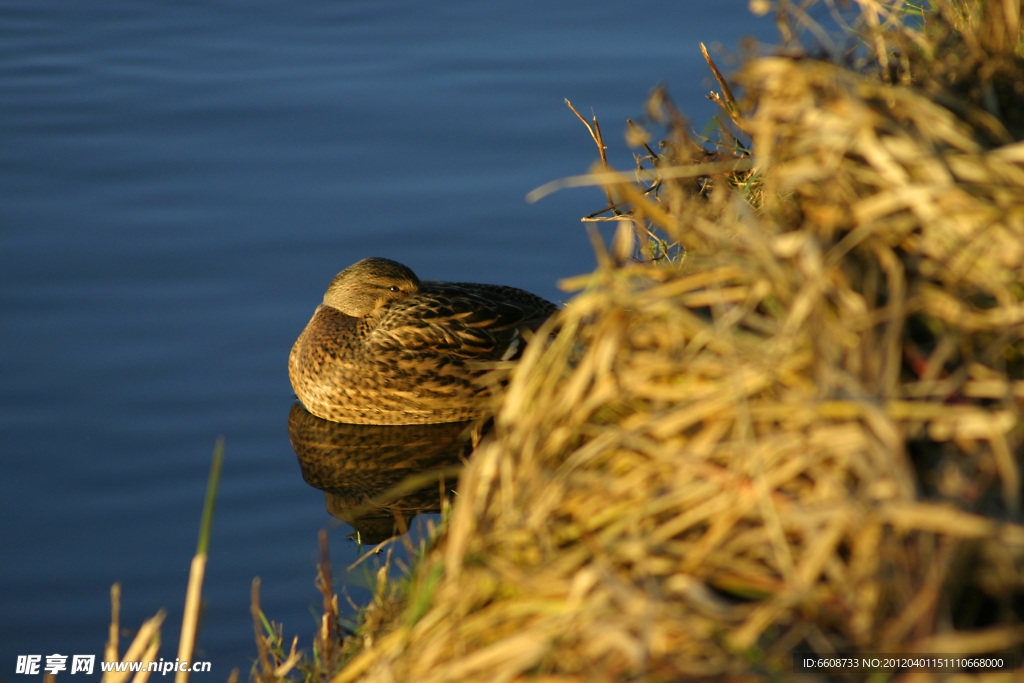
point(471, 321)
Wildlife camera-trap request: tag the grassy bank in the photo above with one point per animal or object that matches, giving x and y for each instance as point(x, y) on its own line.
point(785, 411)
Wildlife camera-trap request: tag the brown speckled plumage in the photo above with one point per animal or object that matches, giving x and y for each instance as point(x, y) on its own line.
point(385, 348)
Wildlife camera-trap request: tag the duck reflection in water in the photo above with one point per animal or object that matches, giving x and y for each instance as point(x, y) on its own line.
point(377, 478)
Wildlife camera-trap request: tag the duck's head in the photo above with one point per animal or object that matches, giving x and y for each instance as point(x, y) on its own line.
point(363, 287)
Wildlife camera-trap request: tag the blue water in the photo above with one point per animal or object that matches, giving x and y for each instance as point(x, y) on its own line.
point(180, 181)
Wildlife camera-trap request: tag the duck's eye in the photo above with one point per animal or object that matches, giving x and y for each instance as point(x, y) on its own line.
point(395, 288)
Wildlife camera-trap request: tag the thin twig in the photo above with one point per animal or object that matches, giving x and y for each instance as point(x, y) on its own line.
point(729, 104)
point(595, 133)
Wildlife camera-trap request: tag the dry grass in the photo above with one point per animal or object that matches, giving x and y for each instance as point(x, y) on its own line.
point(804, 436)
point(145, 644)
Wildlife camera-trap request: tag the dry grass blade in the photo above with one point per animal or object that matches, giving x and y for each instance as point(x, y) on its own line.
point(726, 100)
point(143, 648)
point(197, 572)
point(595, 133)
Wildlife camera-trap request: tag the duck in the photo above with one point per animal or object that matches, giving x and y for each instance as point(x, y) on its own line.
point(385, 348)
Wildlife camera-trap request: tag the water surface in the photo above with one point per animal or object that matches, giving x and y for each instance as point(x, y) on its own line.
point(181, 181)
